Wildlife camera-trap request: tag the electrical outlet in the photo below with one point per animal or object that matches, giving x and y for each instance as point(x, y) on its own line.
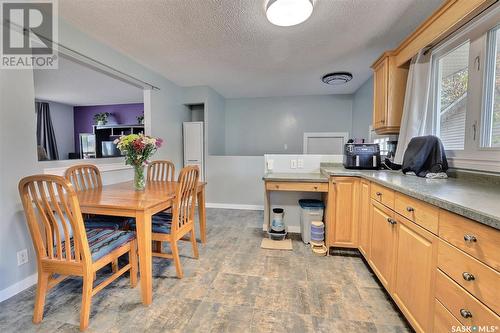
point(300, 163)
point(293, 164)
point(285, 146)
point(22, 257)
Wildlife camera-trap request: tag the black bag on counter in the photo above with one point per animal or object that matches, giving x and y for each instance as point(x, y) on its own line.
point(425, 154)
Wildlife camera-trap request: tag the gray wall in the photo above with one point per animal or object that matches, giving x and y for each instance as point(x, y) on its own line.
point(362, 110)
point(18, 148)
point(255, 126)
point(64, 128)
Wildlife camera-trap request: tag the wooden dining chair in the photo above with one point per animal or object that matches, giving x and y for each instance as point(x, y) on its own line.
point(172, 227)
point(64, 247)
point(85, 177)
point(161, 170)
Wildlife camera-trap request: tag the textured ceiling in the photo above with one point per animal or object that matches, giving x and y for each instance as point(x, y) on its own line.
point(230, 46)
point(75, 84)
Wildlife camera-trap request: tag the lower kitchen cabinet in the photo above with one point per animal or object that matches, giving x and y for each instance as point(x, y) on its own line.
point(344, 219)
point(383, 237)
point(364, 218)
point(414, 273)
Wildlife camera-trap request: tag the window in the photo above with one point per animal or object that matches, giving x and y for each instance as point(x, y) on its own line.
point(491, 118)
point(465, 93)
point(452, 75)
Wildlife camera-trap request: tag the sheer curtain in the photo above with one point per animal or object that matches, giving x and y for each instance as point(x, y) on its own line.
point(45, 136)
point(417, 118)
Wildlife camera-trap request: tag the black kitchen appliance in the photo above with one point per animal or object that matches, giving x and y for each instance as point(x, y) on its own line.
point(361, 156)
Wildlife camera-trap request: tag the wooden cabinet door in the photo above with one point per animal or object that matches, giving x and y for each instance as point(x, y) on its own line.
point(345, 232)
point(380, 93)
point(382, 243)
point(414, 273)
point(364, 218)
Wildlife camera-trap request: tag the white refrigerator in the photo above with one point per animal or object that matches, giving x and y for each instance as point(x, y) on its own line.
point(192, 133)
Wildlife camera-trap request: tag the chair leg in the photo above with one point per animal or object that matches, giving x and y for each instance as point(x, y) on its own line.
point(114, 265)
point(177, 260)
point(41, 293)
point(194, 244)
point(133, 263)
point(86, 300)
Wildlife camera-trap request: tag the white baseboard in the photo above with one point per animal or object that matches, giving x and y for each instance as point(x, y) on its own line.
point(17, 287)
point(234, 206)
point(294, 229)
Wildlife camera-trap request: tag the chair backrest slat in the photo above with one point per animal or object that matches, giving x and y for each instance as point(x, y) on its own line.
point(185, 197)
point(161, 170)
point(84, 177)
point(54, 219)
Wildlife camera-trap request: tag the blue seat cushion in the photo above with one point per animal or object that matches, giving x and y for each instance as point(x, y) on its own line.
point(103, 241)
point(107, 222)
point(161, 223)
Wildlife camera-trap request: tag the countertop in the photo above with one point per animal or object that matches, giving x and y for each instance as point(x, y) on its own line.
point(478, 201)
point(296, 177)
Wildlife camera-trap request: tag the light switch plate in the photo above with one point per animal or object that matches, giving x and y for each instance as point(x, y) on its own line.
point(293, 164)
point(300, 163)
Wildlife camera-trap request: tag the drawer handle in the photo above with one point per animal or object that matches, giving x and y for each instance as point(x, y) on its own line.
point(277, 186)
point(470, 238)
point(465, 313)
point(468, 276)
point(391, 221)
point(378, 194)
point(315, 187)
point(410, 209)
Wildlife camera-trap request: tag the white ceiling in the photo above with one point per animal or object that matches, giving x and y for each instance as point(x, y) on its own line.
point(76, 84)
point(230, 46)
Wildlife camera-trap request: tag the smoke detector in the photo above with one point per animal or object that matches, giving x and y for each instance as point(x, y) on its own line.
point(337, 78)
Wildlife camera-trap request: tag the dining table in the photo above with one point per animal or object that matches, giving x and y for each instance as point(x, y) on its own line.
point(121, 199)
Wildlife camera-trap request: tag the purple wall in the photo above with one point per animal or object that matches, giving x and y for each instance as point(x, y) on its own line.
point(122, 114)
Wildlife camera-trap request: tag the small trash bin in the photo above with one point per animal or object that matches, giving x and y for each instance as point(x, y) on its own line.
point(311, 210)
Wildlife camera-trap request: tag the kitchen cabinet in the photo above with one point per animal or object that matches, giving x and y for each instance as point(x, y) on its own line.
point(383, 237)
point(364, 223)
point(343, 231)
point(389, 86)
point(414, 272)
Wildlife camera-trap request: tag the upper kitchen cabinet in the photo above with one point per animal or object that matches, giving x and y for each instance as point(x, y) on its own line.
point(388, 94)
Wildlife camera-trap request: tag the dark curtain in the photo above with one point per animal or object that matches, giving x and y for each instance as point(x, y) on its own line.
point(45, 136)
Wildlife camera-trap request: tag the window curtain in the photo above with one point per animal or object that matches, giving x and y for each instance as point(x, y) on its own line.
point(417, 118)
point(45, 135)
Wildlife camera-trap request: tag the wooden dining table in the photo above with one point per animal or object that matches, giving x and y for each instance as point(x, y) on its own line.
point(122, 200)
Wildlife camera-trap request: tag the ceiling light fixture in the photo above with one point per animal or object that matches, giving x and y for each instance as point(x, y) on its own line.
point(286, 13)
point(337, 78)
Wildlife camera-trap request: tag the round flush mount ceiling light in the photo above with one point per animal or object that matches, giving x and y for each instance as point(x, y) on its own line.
point(337, 78)
point(286, 13)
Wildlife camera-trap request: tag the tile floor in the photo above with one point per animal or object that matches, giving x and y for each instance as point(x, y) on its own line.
point(234, 287)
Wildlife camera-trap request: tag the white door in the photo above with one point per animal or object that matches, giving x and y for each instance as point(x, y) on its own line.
point(193, 145)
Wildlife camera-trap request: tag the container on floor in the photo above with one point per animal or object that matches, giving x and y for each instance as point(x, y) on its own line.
point(311, 210)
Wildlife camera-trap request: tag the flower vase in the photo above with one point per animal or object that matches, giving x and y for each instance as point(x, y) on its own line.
point(139, 182)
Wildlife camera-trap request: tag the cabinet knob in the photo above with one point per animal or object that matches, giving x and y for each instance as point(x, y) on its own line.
point(465, 313)
point(315, 187)
point(410, 209)
point(391, 221)
point(468, 276)
point(277, 186)
point(470, 238)
point(378, 194)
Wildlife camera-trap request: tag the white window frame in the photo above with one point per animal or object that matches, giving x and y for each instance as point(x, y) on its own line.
point(309, 135)
point(474, 155)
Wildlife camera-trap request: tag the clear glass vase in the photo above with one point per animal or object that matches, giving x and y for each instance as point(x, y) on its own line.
point(139, 181)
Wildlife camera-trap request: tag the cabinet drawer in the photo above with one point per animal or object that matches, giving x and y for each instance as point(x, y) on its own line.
point(417, 211)
point(478, 240)
point(382, 195)
point(297, 186)
point(443, 319)
point(466, 308)
point(477, 278)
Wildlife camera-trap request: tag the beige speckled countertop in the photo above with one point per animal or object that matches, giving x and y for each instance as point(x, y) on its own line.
point(479, 201)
